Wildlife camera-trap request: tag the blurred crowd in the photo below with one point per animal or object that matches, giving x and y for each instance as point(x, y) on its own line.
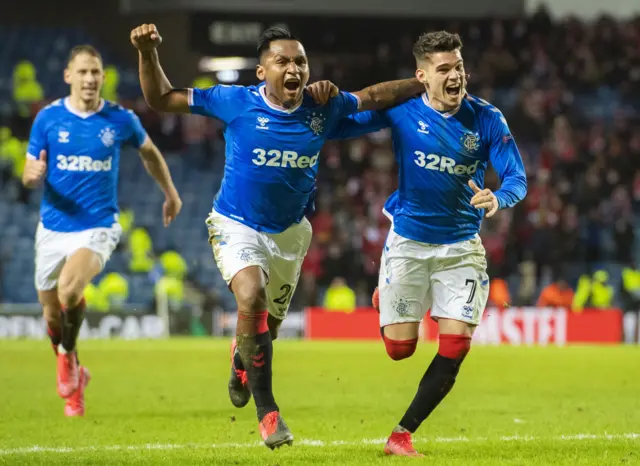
point(571, 94)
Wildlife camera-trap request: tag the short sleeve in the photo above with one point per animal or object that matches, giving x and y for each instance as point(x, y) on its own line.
point(137, 133)
point(346, 104)
point(220, 101)
point(38, 136)
point(359, 124)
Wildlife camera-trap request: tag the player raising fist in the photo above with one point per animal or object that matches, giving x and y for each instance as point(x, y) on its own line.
point(258, 227)
point(78, 227)
point(433, 257)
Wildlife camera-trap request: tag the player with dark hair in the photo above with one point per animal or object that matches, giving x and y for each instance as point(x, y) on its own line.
point(257, 228)
point(433, 257)
point(79, 227)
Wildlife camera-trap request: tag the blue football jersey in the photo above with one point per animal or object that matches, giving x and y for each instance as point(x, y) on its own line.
point(271, 154)
point(83, 154)
point(437, 154)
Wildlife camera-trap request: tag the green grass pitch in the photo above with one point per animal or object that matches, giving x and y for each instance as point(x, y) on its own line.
point(166, 402)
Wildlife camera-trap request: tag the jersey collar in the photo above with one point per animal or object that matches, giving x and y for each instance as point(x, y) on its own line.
point(425, 100)
point(279, 108)
point(80, 114)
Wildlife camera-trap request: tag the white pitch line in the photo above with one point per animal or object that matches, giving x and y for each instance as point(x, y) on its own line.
point(305, 442)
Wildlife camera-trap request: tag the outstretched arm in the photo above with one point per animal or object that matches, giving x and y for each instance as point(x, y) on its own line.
point(158, 92)
point(376, 97)
point(388, 94)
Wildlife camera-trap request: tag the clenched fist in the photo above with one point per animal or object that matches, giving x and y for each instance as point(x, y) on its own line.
point(35, 170)
point(146, 37)
point(322, 91)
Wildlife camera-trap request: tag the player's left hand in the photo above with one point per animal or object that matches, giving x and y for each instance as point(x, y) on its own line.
point(322, 91)
point(171, 208)
point(484, 199)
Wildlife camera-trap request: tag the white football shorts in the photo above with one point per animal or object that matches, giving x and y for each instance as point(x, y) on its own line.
point(449, 279)
point(280, 255)
point(53, 248)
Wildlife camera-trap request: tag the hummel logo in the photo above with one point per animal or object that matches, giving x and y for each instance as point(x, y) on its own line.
point(423, 127)
point(63, 136)
point(262, 123)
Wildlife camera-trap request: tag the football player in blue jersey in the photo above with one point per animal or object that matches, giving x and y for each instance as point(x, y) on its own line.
point(258, 230)
point(433, 257)
point(74, 147)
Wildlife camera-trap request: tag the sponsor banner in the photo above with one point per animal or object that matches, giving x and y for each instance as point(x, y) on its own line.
point(224, 324)
point(96, 325)
point(543, 326)
point(361, 324)
point(513, 326)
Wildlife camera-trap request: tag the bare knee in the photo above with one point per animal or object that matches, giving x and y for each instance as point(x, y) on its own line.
point(249, 288)
point(70, 291)
point(79, 270)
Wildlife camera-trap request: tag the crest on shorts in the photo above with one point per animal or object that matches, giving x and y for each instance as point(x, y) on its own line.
point(107, 136)
point(245, 255)
point(401, 306)
point(471, 142)
point(99, 236)
point(315, 120)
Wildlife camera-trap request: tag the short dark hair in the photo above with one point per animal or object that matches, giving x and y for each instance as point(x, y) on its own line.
point(434, 42)
point(84, 48)
point(270, 35)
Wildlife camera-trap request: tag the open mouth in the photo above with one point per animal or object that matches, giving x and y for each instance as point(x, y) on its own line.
point(292, 84)
point(453, 91)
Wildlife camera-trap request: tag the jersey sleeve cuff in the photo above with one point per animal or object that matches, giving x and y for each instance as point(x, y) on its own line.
point(500, 198)
point(190, 96)
point(31, 156)
point(358, 101)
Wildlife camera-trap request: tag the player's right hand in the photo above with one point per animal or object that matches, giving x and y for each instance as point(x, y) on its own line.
point(322, 91)
point(35, 169)
point(146, 37)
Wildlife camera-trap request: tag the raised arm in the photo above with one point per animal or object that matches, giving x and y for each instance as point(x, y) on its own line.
point(158, 92)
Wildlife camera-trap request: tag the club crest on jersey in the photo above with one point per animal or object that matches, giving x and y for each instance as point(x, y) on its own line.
point(423, 127)
point(316, 122)
point(262, 122)
point(63, 136)
point(107, 136)
point(471, 142)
